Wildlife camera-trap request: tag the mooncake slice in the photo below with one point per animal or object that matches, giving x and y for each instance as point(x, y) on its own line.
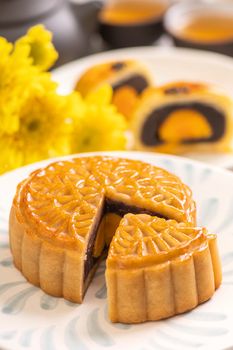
point(64, 216)
point(158, 268)
point(128, 79)
point(183, 117)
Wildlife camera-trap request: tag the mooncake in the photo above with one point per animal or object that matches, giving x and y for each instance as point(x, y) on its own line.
point(158, 268)
point(183, 117)
point(64, 217)
point(128, 79)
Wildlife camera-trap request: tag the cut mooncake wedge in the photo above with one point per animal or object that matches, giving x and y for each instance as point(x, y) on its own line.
point(64, 216)
point(118, 74)
point(158, 268)
point(128, 79)
point(183, 117)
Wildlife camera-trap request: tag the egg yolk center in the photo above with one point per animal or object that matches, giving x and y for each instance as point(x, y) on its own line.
point(125, 99)
point(105, 233)
point(184, 124)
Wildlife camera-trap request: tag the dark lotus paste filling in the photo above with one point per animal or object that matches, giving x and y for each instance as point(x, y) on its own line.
point(90, 260)
point(120, 209)
point(177, 90)
point(137, 81)
point(118, 66)
point(151, 127)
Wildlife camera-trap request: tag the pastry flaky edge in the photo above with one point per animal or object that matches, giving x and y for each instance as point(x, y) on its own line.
point(56, 270)
point(167, 289)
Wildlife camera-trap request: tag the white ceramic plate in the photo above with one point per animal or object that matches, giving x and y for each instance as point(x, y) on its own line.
point(165, 64)
point(30, 319)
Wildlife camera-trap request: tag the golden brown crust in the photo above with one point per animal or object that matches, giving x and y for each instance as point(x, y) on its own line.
point(55, 270)
point(143, 240)
point(177, 88)
point(182, 275)
point(60, 203)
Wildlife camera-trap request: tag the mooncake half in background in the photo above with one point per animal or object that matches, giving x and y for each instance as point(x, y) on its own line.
point(183, 117)
point(128, 79)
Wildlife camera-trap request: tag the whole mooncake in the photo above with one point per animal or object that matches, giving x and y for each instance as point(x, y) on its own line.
point(64, 217)
point(183, 117)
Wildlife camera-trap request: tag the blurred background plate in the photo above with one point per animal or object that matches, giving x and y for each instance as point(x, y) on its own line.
point(165, 65)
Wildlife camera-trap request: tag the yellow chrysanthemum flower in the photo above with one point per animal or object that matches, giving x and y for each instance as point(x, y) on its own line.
point(100, 127)
point(10, 157)
point(35, 122)
point(18, 76)
point(12, 79)
point(101, 96)
point(41, 49)
point(43, 132)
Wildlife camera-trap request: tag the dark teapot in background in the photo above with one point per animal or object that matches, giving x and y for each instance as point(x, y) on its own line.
point(71, 23)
